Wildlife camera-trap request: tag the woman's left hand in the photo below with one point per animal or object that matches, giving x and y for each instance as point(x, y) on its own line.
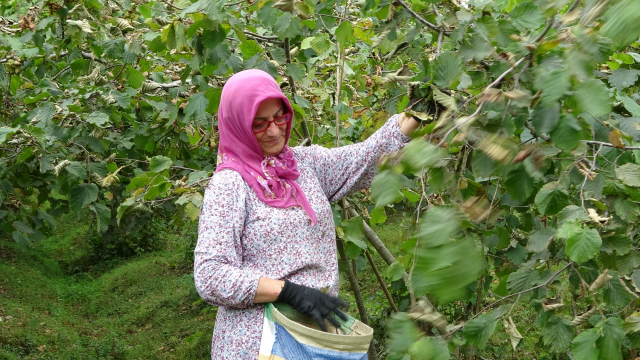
point(407, 124)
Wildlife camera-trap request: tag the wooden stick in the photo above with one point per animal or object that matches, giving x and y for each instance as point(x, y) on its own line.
point(381, 281)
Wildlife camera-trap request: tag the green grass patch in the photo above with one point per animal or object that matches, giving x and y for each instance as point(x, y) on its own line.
point(55, 306)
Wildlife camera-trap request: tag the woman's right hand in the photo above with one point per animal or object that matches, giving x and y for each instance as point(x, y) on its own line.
point(314, 303)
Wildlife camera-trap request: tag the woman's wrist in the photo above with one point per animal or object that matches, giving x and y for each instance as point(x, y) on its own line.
point(268, 290)
point(407, 124)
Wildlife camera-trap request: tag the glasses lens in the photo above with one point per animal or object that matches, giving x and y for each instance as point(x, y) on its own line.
point(259, 126)
point(280, 120)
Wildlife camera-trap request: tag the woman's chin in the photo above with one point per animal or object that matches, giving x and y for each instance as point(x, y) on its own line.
point(272, 149)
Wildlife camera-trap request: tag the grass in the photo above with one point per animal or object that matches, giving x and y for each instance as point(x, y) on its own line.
point(55, 305)
point(56, 302)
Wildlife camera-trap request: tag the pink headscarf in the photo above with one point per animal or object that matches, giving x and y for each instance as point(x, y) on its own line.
point(271, 177)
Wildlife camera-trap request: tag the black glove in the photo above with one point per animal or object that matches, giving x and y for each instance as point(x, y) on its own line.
point(313, 302)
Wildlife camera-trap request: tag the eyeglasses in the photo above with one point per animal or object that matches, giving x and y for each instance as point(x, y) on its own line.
point(263, 126)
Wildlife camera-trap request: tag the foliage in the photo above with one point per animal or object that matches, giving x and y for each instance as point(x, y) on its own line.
point(523, 178)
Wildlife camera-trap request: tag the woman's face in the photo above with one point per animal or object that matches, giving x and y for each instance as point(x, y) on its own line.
point(273, 139)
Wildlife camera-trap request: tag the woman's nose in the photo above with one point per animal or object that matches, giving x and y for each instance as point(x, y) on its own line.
point(273, 129)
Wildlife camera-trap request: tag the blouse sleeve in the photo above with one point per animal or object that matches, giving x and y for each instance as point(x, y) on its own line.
point(351, 168)
point(218, 273)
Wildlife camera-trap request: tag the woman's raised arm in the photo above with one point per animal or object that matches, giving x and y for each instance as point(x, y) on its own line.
point(351, 168)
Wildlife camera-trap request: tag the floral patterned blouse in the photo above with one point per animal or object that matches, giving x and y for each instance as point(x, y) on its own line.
point(241, 239)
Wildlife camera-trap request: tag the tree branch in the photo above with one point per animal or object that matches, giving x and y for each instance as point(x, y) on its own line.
point(611, 145)
point(421, 19)
point(524, 291)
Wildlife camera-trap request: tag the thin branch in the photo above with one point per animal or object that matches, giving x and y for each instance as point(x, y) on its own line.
point(505, 74)
point(381, 281)
point(545, 31)
point(586, 176)
point(611, 145)
point(344, 19)
point(147, 162)
point(471, 117)
point(420, 18)
point(170, 4)
point(294, 92)
point(263, 37)
point(440, 33)
point(60, 72)
point(524, 291)
point(235, 3)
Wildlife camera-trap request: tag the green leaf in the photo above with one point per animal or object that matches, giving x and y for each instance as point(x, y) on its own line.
point(250, 48)
point(196, 109)
point(557, 334)
point(287, 26)
point(552, 198)
point(623, 78)
point(519, 184)
point(5, 132)
point(352, 250)
point(76, 170)
point(320, 43)
point(477, 331)
point(593, 97)
point(620, 243)
point(555, 86)
point(354, 231)
point(615, 294)
point(385, 188)
point(21, 239)
point(632, 323)
point(438, 226)
point(395, 270)
point(159, 163)
point(267, 15)
point(82, 195)
point(344, 33)
point(626, 209)
point(114, 49)
point(584, 347)
point(103, 216)
point(610, 342)
point(403, 332)
point(527, 16)
point(284, 5)
point(98, 118)
point(629, 174)
point(134, 77)
point(540, 239)
point(419, 153)
point(630, 104)
point(583, 245)
point(517, 255)
point(566, 134)
point(378, 216)
point(623, 23)
point(212, 38)
point(521, 280)
point(428, 348)
point(447, 69)
point(296, 72)
point(22, 227)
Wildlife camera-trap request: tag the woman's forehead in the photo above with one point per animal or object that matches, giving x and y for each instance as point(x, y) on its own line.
point(269, 106)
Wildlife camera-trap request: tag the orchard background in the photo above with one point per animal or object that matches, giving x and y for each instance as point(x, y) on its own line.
point(507, 228)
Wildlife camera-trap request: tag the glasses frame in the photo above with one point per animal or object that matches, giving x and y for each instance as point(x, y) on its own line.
point(268, 122)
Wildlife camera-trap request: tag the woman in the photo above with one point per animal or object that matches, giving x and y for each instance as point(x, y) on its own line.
point(266, 229)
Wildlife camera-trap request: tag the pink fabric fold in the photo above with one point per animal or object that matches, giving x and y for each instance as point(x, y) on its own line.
point(271, 177)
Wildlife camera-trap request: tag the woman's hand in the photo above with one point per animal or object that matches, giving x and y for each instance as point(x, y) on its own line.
point(407, 124)
point(314, 303)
